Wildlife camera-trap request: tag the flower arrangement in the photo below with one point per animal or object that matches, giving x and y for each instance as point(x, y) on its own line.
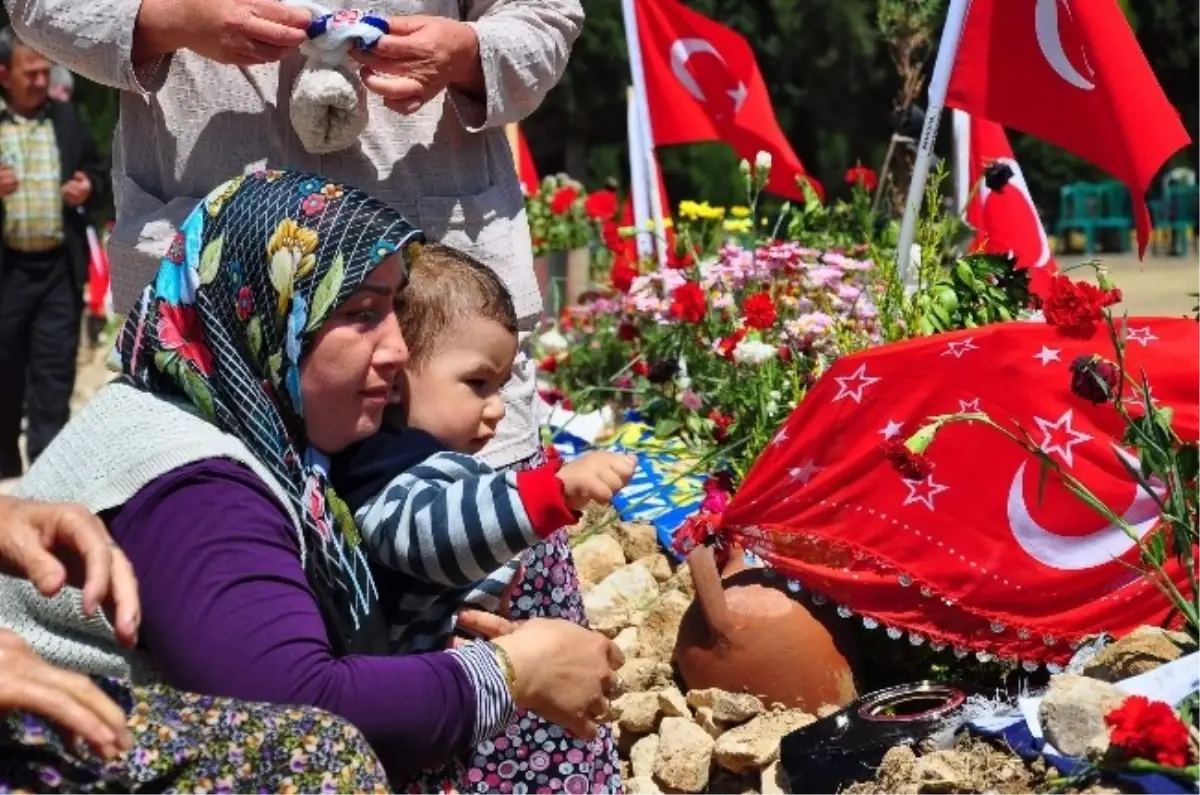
point(721, 345)
point(559, 218)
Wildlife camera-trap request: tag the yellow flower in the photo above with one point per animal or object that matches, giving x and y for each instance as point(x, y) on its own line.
point(739, 211)
point(738, 226)
point(216, 200)
point(290, 251)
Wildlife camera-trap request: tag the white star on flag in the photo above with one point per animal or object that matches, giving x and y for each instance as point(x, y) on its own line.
point(780, 437)
point(805, 472)
point(1142, 335)
point(891, 430)
point(1047, 355)
point(923, 491)
point(1059, 437)
point(969, 405)
point(861, 381)
point(958, 348)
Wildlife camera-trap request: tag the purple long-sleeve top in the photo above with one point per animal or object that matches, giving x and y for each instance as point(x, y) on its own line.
point(227, 610)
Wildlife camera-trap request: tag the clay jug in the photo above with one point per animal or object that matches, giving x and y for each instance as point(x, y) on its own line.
point(746, 633)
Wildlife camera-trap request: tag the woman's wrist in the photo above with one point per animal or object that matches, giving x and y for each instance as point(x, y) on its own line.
point(156, 32)
point(495, 706)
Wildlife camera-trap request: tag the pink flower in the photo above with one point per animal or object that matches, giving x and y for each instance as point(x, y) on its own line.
point(313, 204)
point(180, 330)
point(691, 400)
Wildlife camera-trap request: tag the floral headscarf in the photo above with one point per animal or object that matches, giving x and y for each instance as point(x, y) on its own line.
point(253, 273)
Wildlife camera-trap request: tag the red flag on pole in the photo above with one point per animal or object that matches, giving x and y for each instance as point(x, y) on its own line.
point(1001, 209)
point(1071, 73)
point(526, 168)
point(99, 283)
point(703, 84)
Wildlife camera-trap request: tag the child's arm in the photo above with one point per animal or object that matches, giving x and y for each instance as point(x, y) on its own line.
point(452, 520)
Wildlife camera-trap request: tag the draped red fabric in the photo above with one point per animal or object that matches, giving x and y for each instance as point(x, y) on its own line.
point(969, 556)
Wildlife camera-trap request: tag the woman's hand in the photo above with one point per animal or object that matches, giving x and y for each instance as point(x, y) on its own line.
point(236, 32)
point(563, 672)
point(38, 538)
point(421, 57)
point(71, 700)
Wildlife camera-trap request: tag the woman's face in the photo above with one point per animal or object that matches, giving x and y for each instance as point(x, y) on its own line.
point(350, 370)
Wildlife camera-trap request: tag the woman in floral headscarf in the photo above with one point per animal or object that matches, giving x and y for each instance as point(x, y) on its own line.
point(267, 342)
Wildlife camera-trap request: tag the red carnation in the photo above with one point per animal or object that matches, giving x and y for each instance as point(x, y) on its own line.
point(601, 205)
point(721, 423)
point(688, 303)
point(913, 466)
point(759, 311)
point(563, 199)
point(861, 175)
point(548, 364)
point(726, 345)
point(627, 332)
point(1075, 308)
point(622, 274)
point(640, 367)
point(1149, 730)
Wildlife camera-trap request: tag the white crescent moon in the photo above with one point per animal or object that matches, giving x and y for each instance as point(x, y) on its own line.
point(1073, 553)
point(1018, 181)
point(1045, 25)
point(681, 51)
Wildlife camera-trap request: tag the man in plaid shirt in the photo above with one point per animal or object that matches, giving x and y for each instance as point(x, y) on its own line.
point(49, 173)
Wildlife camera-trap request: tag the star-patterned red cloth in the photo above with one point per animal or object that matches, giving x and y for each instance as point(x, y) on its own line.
point(968, 557)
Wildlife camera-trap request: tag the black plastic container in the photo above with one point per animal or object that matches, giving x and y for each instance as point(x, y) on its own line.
point(848, 746)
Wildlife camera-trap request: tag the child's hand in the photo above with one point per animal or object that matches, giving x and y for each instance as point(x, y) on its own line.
point(595, 477)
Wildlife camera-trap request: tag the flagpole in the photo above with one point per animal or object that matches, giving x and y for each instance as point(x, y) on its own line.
point(638, 181)
point(642, 107)
point(956, 15)
point(962, 159)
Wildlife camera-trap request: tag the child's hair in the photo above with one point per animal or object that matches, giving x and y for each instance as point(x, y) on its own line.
point(445, 285)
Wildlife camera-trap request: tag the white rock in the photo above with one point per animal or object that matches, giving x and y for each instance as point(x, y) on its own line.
point(642, 756)
point(1072, 712)
point(704, 719)
point(755, 745)
point(642, 785)
point(638, 540)
point(730, 708)
point(636, 712)
point(620, 599)
point(597, 557)
point(672, 704)
point(774, 779)
point(684, 756)
point(642, 674)
point(627, 641)
point(658, 565)
point(660, 629)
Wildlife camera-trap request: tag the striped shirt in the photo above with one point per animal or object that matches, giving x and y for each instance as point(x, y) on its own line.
point(450, 528)
point(33, 213)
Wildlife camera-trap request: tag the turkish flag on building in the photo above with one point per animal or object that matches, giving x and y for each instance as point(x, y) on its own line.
point(703, 84)
point(1069, 72)
point(1000, 208)
point(979, 555)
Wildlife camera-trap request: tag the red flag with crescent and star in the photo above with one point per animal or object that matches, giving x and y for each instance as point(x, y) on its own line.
point(969, 557)
point(1001, 209)
point(1069, 72)
point(703, 84)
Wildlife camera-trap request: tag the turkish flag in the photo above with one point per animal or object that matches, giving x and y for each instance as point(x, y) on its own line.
point(978, 555)
point(703, 84)
point(99, 283)
point(1001, 209)
point(1069, 72)
point(526, 168)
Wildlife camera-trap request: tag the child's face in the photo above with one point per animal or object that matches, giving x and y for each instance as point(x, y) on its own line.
point(455, 393)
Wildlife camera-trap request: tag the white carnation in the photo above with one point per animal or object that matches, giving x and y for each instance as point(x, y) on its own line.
point(753, 352)
point(553, 343)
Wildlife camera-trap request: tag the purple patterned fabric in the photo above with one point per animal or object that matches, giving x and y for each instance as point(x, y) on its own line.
point(535, 755)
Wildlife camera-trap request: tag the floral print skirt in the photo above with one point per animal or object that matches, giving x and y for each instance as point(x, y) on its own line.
point(189, 743)
point(534, 755)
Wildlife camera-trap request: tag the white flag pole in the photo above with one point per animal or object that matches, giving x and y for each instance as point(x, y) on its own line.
point(962, 159)
point(639, 185)
point(642, 108)
point(956, 15)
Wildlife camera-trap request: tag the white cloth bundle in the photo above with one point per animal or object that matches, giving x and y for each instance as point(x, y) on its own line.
point(329, 102)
